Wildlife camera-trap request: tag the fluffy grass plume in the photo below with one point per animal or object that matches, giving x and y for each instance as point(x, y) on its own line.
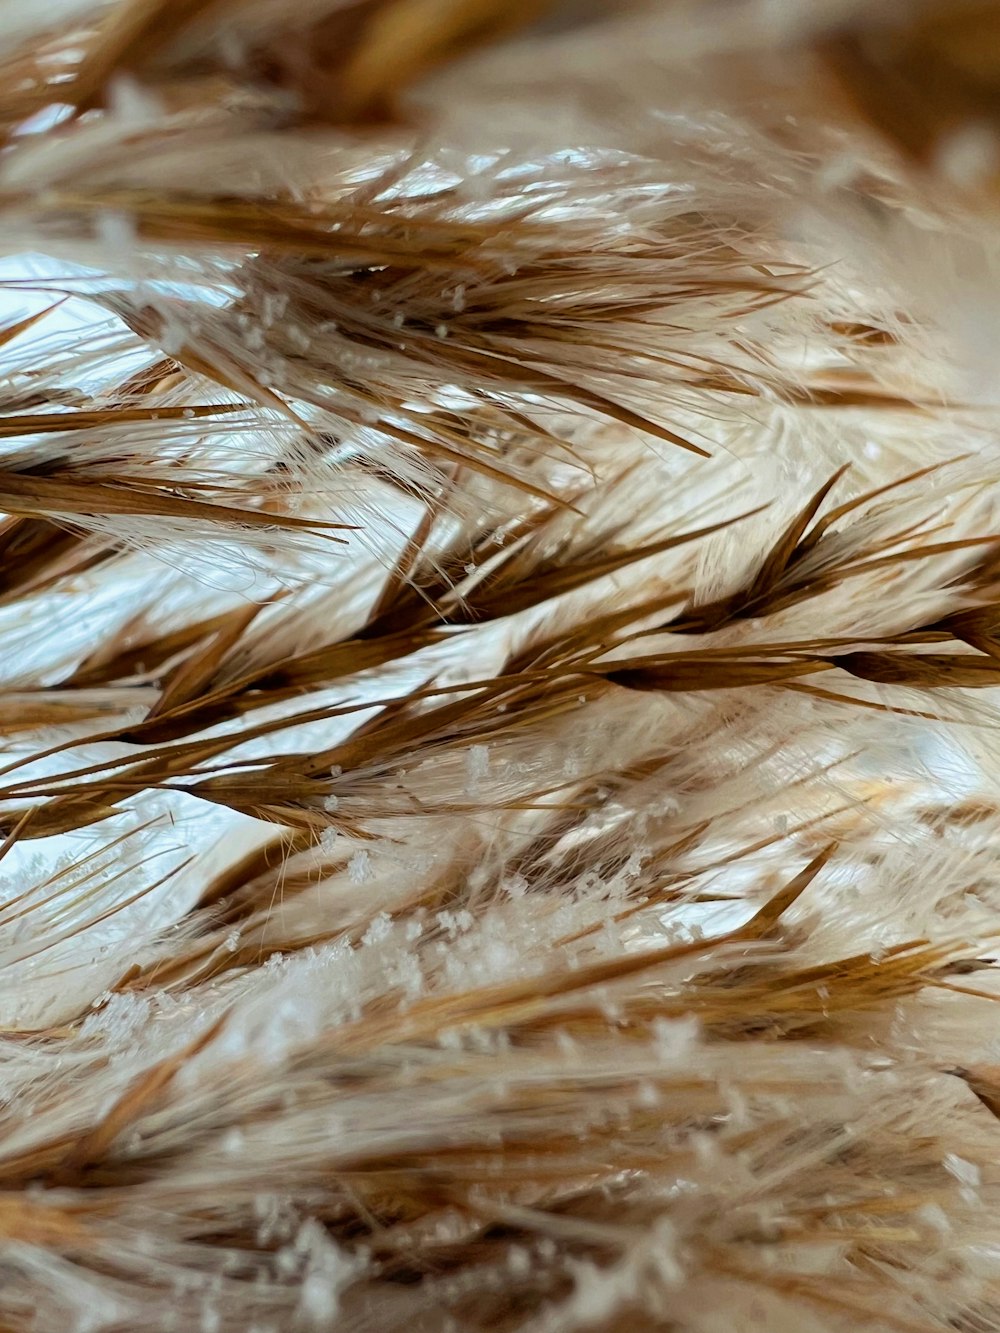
point(500, 700)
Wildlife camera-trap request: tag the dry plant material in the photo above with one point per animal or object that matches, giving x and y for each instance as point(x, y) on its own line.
point(500, 592)
point(926, 80)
